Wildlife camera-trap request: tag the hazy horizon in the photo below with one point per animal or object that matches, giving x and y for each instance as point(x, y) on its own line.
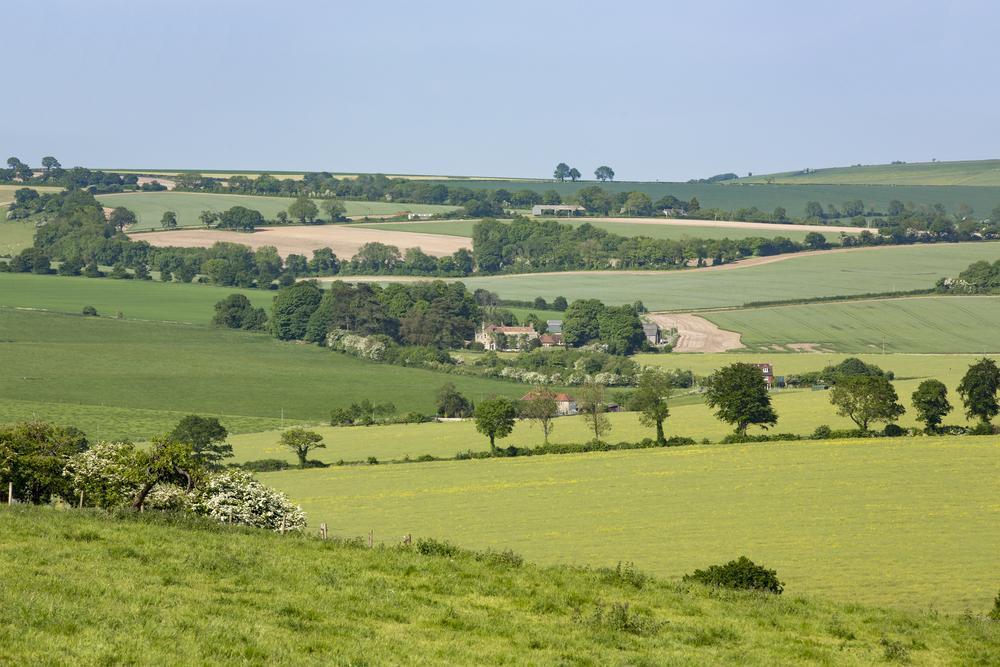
point(657, 92)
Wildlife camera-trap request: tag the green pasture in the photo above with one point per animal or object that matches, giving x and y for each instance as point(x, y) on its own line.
point(149, 207)
point(7, 191)
point(15, 235)
point(86, 583)
point(910, 523)
point(135, 299)
point(738, 194)
point(799, 411)
point(923, 324)
point(77, 367)
point(965, 172)
point(888, 268)
point(664, 231)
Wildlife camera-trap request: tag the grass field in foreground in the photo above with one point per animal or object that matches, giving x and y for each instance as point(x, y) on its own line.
point(965, 172)
point(940, 324)
point(664, 231)
point(910, 523)
point(828, 274)
point(86, 585)
point(60, 363)
point(149, 207)
point(135, 299)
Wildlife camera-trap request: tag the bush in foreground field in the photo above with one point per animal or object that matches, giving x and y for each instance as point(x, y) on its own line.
point(740, 574)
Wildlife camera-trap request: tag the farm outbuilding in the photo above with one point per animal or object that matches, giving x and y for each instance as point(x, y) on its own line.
point(565, 404)
point(768, 371)
point(557, 209)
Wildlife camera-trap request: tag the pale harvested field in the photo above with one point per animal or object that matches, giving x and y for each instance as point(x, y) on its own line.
point(696, 334)
point(733, 224)
point(343, 240)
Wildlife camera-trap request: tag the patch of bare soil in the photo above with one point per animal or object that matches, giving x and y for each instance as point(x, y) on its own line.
point(696, 334)
point(807, 347)
point(343, 240)
point(168, 183)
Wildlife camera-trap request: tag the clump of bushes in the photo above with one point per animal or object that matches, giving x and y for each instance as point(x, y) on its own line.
point(739, 574)
point(624, 573)
point(505, 558)
point(89, 311)
point(994, 614)
point(263, 465)
point(428, 546)
point(739, 438)
point(620, 618)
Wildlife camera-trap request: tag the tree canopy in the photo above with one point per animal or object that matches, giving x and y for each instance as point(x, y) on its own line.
point(739, 395)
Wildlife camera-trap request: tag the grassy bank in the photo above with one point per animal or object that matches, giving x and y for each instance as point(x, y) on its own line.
point(91, 590)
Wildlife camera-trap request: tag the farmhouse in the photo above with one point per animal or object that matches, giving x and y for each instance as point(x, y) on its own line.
point(557, 209)
point(550, 339)
point(565, 404)
point(505, 339)
point(768, 372)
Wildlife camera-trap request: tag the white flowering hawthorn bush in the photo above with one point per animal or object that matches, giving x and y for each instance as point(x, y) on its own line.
point(236, 496)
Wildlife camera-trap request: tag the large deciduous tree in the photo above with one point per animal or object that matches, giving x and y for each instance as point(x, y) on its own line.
point(32, 458)
point(561, 172)
point(978, 390)
point(930, 400)
point(591, 403)
point(207, 436)
point(541, 406)
point(303, 210)
point(738, 393)
point(292, 308)
point(301, 442)
point(604, 173)
point(450, 403)
point(121, 218)
point(651, 400)
point(495, 418)
point(866, 398)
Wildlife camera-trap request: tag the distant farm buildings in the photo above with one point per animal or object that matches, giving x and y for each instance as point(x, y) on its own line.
point(565, 404)
point(553, 326)
point(557, 209)
point(768, 372)
point(505, 339)
point(651, 331)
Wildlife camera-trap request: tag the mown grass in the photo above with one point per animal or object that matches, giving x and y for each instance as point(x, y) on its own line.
point(135, 299)
point(93, 590)
point(910, 523)
point(964, 172)
point(149, 207)
point(829, 274)
point(941, 324)
point(74, 361)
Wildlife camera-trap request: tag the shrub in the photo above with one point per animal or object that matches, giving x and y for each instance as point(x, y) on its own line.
point(620, 618)
point(994, 614)
point(506, 558)
point(822, 432)
point(89, 311)
point(624, 573)
point(263, 465)
point(893, 431)
point(740, 574)
point(372, 461)
point(234, 496)
point(428, 546)
point(982, 428)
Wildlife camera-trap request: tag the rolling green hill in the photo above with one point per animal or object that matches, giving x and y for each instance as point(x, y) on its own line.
point(90, 589)
point(924, 324)
point(149, 207)
point(93, 372)
point(984, 173)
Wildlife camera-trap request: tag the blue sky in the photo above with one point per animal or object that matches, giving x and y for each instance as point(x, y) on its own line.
point(657, 90)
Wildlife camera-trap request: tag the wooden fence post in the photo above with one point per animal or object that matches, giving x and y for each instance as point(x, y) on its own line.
point(282, 525)
point(81, 498)
point(371, 538)
point(10, 493)
point(322, 531)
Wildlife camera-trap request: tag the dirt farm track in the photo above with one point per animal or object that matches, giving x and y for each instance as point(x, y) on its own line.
point(343, 240)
